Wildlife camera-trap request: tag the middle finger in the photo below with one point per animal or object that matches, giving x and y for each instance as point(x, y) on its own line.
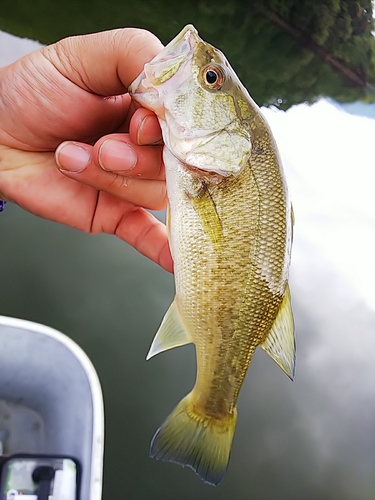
point(147, 193)
point(117, 153)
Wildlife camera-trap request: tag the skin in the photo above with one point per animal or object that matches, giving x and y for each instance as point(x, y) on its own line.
point(75, 149)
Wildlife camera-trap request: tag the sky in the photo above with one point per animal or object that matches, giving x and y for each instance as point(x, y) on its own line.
point(329, 161)
point(13, 47)
point(330, 168)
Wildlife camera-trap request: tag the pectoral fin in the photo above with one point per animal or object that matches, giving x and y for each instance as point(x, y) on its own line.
point(171, 333)
point(280, 342)
point(205, 207)
point(168, 220)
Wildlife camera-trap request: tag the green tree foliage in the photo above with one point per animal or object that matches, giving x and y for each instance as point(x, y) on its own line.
point(282, 49)
point(339, 31)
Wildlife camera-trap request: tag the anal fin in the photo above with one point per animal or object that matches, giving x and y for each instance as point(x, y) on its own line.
point(280, 342)
point(171, 333)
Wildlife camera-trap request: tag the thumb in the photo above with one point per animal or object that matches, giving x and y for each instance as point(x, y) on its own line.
point(63, 88)
point(104, 63)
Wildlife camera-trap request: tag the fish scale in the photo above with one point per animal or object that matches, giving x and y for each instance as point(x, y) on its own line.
point(230, 232)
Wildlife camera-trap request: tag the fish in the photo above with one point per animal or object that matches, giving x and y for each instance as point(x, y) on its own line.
point(230, 225)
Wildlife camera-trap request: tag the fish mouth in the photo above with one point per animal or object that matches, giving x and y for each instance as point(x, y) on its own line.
point(162, 68)
point(181, 44)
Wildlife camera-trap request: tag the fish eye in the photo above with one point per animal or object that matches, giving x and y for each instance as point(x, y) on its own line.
point(213, 77)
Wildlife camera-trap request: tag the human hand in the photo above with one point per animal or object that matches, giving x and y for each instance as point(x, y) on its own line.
point(103, 177)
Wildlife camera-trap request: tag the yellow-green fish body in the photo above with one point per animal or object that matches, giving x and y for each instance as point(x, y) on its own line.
point(230, 229)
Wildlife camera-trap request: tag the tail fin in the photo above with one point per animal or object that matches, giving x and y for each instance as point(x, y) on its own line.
point(197, 441)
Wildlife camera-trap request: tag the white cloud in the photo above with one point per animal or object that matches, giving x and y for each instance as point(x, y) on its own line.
point(329, 161)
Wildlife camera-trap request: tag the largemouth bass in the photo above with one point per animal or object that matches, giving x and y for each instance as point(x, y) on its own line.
point(230, 231)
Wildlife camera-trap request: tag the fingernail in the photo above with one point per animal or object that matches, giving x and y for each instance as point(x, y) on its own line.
point(116, 156)
point(151, 140)
point(71, 157)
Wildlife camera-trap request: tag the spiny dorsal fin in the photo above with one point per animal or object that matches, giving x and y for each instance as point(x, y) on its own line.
point(171, 333)
point(280, 342)
point(293, 220)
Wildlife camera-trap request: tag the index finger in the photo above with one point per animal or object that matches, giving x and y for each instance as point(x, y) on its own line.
point(104, 63)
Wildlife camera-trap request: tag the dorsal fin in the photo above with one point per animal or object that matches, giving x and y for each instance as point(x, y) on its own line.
point(171, 333)
point(280, 342)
